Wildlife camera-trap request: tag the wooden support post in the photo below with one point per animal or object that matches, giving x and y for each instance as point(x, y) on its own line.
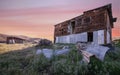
point(105, 36)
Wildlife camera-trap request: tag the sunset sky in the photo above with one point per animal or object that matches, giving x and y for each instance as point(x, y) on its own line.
point(36, 18)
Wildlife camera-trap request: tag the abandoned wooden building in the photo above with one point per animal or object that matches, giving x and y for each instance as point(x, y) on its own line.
point(13, 40)
point(92, 26)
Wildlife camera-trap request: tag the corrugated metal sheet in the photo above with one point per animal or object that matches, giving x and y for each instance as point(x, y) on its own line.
point(73, 38)
point(98, 38)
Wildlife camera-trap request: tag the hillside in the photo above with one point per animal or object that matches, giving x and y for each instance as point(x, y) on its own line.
point(3, 38)
point(29, 39)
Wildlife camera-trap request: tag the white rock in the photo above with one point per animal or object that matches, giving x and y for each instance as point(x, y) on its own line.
point(59, 52)
point(39, 51)
point(48, 53)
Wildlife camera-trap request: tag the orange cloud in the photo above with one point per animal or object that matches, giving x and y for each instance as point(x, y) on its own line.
point(116, 33)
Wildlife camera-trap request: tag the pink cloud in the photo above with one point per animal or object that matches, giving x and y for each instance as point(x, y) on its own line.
point(38, 21)
point(37, 11)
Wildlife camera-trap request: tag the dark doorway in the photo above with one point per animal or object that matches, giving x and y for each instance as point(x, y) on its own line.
point(73, 26)
point(90, 36)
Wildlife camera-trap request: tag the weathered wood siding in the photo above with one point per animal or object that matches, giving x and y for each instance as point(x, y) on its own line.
point(89, 21)
point(99, 21)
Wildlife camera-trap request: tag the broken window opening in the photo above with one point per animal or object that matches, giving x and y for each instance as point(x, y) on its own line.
point(62, 31)
point(79, 21)
point(72, 26)
point(90, 36)
point(87, 20)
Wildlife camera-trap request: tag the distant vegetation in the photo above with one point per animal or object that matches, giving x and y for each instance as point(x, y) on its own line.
point(26, 62)
point(117, 42)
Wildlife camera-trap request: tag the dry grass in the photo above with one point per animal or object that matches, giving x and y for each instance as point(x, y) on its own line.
point(14, 58)
point(20, 59)
point(12, 47)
